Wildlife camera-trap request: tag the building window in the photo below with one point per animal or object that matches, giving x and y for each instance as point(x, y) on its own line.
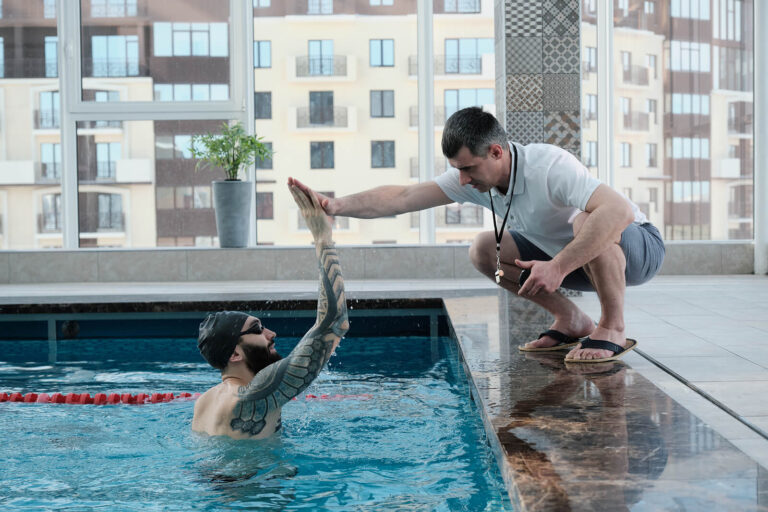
point(48, 115)
point(464, 56)
point(590, 153)
point(653, 198)
point(261, 3)
point(691, 9)
point(650, 63)
point(191, 92)
point(461, 6)
point(320, 7)
point(690, 191)
point(164, 198)
point(382, 103)
point(2, 57)
point(623, 6)
point(110, 211)
point(382, 2)
point(382, 52)
point(51, 218)
point(466, 214)
point(625, 154)
point(115, 56)
point(50, 158)
point(264, 208)
point(689, 56)
point(113, 8)
point(649, 7)
point(382, 153)
point(265, 164)
point(262, 54)
point(626, 61)
point(457, 99)
point(590, 112)
point(651, 155)
point(651, 107)
point(321, 107)
point(321, 57)
point(49, 9)
point(321, 155)
point(107, 155)
point(185, 199)
point(628, 192)
point(690, 104)
point(688, 147)
point(191, 39)
point(590, 62)
point(262, 102)
point(51, 56)
point(202, 196)
point(727, 25)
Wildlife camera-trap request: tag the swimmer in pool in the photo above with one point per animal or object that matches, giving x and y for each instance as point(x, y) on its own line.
point(255, 380)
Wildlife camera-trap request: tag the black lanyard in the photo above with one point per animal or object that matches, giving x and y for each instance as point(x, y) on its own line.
point(499, 234)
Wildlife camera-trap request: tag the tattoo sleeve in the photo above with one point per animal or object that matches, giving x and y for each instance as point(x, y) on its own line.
point(280, 382)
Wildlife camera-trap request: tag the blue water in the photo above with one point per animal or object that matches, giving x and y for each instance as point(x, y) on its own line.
point(416, 444)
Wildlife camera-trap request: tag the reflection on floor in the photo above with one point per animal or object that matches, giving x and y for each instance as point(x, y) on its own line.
point(592, 437)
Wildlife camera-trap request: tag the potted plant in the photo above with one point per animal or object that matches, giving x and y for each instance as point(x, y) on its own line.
point(232, 150)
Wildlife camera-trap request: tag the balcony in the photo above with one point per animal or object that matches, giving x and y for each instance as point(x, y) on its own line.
point(439, 116)
point(636, 75)
point(17, 172)
point(98, 125)
point(636, 122)
point(47, 224)
point(460, 216)
point(47, 119)
point(330, 119)
point(134, 170)
point(30, 68)
point(728, 168)
point(102, 68)
point(306, 68)
point(455, 67)
point(440, 166)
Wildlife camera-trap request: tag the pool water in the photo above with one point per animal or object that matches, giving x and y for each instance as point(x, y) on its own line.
point(408, 437)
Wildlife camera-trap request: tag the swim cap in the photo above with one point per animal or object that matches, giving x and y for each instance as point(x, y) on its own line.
point(218, 336)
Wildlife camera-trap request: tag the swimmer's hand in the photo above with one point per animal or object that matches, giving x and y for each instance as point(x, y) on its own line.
point(309, 204)
point(326, 203)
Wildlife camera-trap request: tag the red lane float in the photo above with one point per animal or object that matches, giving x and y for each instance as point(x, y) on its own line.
point(138, 399)
point(98, 398)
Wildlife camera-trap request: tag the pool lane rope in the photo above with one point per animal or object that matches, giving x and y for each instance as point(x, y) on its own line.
point(128, 399)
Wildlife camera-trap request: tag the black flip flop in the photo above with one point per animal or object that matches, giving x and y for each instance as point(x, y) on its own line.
point(618, 350)
point(563, 341)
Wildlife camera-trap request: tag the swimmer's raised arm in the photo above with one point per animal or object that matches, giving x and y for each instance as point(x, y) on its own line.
point(280, 382)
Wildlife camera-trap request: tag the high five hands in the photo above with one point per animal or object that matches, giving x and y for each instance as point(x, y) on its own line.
point(312, 211)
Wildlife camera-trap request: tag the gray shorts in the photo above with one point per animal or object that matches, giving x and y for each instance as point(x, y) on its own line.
point(642, 245)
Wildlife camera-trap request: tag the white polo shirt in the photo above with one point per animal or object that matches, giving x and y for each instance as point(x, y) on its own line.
point(552, 188)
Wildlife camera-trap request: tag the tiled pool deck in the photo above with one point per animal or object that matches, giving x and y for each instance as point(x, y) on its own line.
point(676, 425)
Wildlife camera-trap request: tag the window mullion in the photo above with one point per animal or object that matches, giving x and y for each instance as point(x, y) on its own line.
point(605, 140)
point(761, 133)
point(426, 112)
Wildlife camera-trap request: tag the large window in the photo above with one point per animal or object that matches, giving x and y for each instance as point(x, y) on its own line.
point(321, 155)
point(382, 103)
point(692, 116)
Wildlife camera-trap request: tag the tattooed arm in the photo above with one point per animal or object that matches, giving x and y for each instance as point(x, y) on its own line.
point(278, 383)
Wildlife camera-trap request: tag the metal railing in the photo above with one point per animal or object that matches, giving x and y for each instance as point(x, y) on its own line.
point(332, 117)
point(106, 169)
point(49, 223)
point(636, 121)
point(335, 65)
point(439, 116)
point(440, 166)
point(636, 75)
point(47, 119)
point(449, 65)
point(112, 68)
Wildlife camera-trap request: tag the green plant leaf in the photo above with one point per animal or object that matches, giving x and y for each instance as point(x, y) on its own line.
point(231, 150)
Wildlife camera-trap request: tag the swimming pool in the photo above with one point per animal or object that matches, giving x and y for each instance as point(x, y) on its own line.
point(403, 435)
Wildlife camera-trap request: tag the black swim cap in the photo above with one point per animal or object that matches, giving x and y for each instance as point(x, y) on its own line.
point(218, 336)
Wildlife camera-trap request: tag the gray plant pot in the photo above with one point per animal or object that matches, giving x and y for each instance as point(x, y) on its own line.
point(232, 201)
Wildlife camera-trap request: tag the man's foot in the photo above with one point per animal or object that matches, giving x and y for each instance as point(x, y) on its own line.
point(600, 333)
point(577, 328)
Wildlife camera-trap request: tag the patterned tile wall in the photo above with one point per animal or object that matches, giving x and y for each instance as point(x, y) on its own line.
point(539, 71)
